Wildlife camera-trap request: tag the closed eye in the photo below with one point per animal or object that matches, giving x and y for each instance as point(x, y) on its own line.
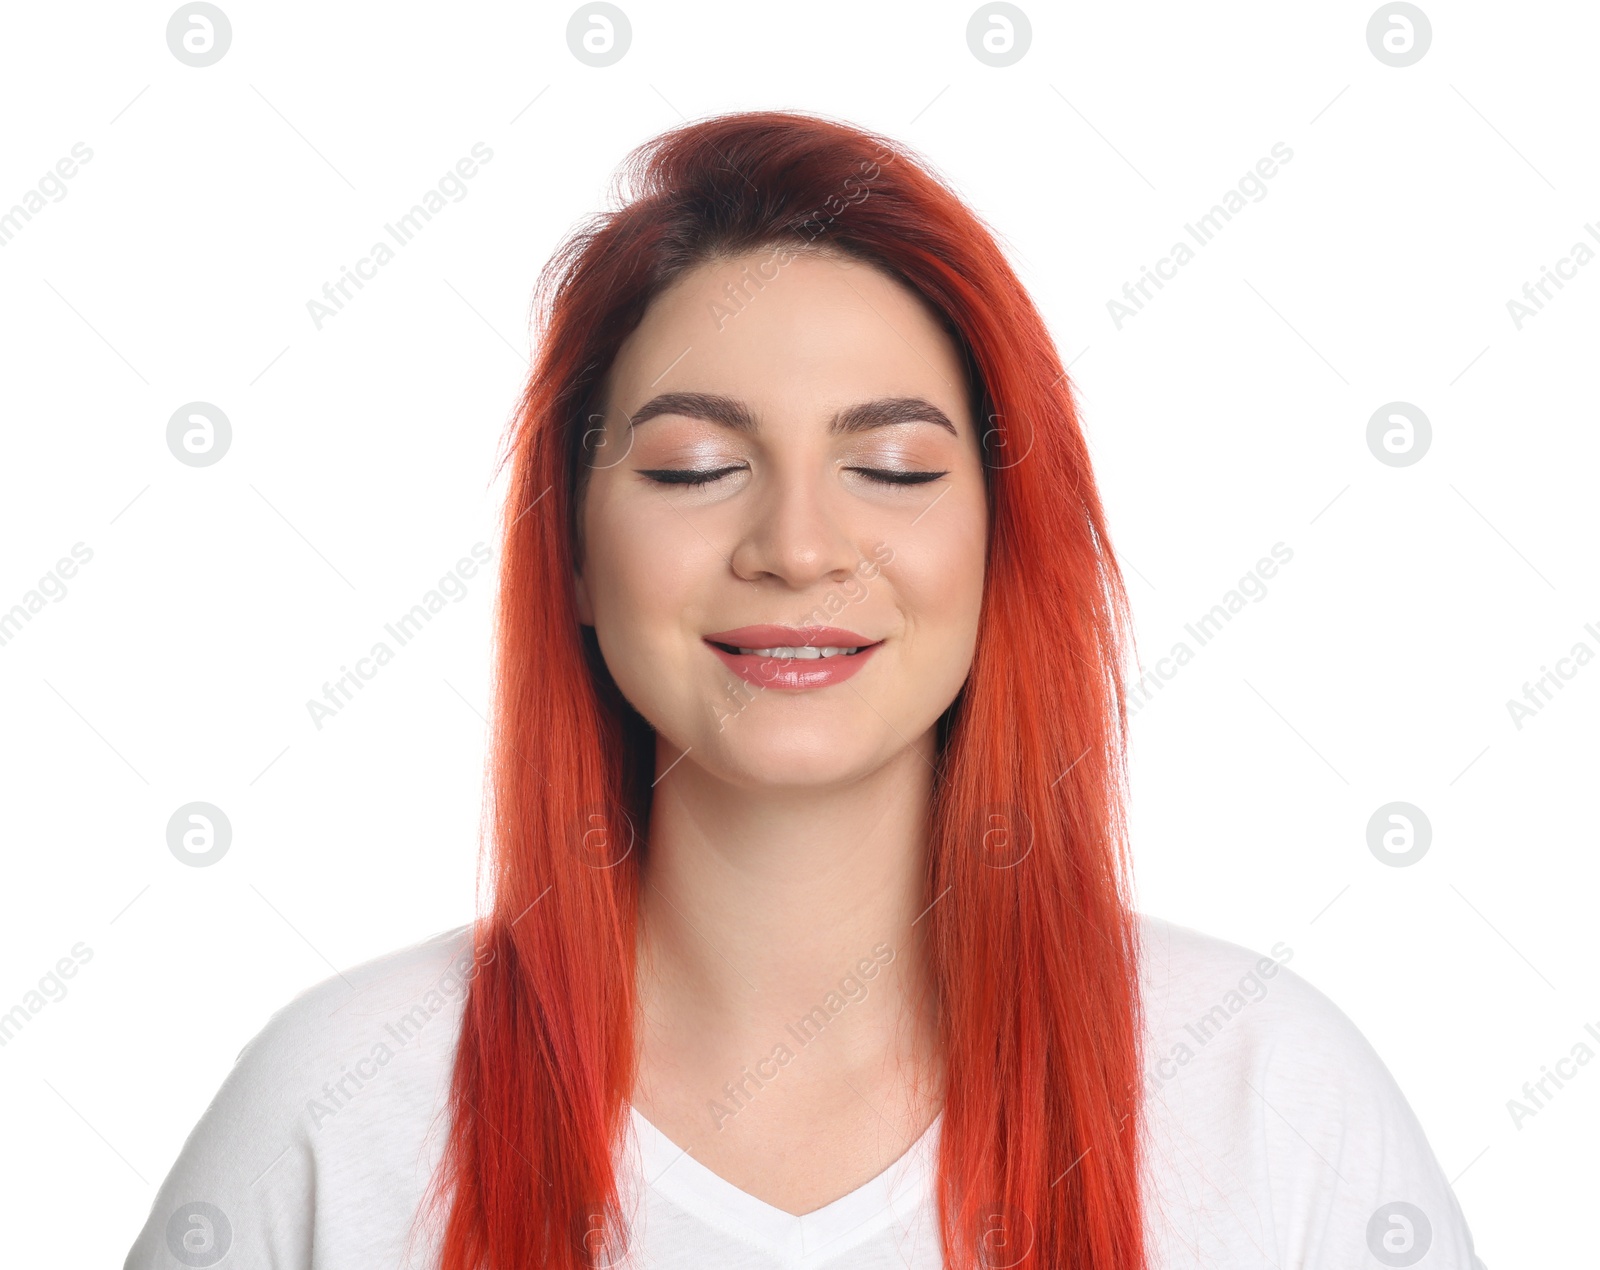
point(695, 476)
point(686, 475)
point(890, 476)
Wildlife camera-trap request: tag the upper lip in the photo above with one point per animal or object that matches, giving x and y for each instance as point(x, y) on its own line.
point(767, 636)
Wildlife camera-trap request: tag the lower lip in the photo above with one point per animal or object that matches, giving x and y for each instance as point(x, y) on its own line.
point(794, 672)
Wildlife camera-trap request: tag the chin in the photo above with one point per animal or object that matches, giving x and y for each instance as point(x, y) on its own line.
point(773, 756)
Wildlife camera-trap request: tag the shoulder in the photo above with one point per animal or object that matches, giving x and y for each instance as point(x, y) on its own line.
point(324, 1120)
point(1270, 1120)
point(1205, 993)
point(338, 1044)
point(412, 986)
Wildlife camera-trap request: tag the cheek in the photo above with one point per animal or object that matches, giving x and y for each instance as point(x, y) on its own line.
point(938, 572)
point(634, 557)
point(641, 570)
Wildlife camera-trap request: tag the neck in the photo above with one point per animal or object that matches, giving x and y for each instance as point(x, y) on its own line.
point(787, 917)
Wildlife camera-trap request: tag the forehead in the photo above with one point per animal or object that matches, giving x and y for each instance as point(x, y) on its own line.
point(819, 331)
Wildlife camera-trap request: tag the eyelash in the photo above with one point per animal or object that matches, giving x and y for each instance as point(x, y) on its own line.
point(691, 476)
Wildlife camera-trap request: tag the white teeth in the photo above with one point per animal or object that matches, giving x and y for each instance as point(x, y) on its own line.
point(804, 653)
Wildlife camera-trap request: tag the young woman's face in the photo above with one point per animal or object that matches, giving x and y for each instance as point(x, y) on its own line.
point(801, 389)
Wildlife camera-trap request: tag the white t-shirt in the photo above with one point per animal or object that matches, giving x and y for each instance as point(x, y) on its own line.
point(1275, 1138)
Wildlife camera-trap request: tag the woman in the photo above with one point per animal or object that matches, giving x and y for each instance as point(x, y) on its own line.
point(809, 941)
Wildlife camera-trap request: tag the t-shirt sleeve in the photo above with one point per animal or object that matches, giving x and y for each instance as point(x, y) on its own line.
point(317, 1149)
point(240, 1193)
point(1275, 1135)
point(1353, 1180)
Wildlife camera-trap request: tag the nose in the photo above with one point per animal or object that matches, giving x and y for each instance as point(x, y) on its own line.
point(796, 533)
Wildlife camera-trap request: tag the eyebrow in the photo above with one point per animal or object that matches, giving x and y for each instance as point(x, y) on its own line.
point(729, 412)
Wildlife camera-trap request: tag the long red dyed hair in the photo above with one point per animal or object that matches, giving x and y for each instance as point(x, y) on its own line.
point(1032, 937)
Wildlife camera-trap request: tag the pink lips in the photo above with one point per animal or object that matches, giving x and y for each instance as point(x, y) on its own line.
point(792, 672)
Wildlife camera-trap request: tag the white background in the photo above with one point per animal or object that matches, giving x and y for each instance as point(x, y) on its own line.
point(1229, 415)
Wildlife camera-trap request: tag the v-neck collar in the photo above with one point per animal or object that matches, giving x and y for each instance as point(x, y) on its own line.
point(798, 1241)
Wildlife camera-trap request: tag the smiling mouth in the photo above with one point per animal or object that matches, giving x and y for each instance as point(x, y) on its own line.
point(790, 658)
point(802, 652)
